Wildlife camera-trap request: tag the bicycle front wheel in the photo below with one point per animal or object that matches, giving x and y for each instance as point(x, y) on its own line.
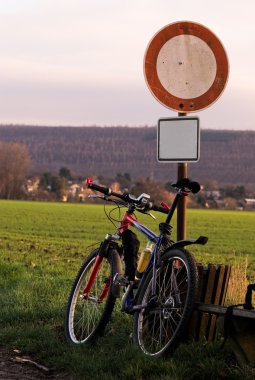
point(86, 317)
point(161, 323)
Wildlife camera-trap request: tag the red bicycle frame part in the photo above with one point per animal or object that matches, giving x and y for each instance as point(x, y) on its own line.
point(105, 289)
point(92, 276)
point(128, 219)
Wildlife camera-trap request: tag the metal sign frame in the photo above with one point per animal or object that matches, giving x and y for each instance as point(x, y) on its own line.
point(178, 139)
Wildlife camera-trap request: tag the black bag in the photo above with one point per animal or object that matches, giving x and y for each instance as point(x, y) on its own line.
point(131, 246)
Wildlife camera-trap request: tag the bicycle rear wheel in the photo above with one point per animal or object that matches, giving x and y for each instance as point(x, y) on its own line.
point(161, 324)
point(86, 317)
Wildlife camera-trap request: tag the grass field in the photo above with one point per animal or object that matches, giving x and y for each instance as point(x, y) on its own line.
point(42, 245)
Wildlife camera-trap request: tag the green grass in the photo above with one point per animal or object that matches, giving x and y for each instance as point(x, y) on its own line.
point(231, 236)
point(42, 246)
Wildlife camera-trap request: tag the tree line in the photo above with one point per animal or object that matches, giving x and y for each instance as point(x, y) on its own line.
point(226, 156)
point(16, 163)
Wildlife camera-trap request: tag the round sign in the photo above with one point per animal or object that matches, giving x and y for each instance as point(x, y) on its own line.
point(186, 66)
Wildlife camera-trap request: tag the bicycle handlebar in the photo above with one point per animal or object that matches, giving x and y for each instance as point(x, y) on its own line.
point(102, 189)
point(159, 209)
point(184, 185)
point(125, 197)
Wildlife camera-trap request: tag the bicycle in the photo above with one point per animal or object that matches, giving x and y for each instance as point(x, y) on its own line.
point(161, 301)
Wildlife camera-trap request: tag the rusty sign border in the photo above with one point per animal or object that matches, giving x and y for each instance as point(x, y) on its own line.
point(150, 67)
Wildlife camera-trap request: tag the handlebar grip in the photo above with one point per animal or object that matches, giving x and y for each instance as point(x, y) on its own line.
point(93, 186)
point(159, 209)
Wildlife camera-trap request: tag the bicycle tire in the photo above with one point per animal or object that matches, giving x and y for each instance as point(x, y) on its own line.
point(161, 326)
point(86, 319)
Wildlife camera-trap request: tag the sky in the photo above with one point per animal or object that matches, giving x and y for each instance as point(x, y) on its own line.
point(80, 62)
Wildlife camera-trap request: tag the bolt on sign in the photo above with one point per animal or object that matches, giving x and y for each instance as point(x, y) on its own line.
point(186, 67)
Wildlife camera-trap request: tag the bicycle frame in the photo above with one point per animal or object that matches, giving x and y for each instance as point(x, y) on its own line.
point(127, 221)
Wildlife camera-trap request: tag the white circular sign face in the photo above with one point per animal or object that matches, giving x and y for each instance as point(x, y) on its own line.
point(186, 66)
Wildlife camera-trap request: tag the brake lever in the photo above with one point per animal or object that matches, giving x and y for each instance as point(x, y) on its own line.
point(151, 215)
point(97, 196)
point(146, 212)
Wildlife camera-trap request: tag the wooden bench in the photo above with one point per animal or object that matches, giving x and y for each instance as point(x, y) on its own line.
point(213, 283)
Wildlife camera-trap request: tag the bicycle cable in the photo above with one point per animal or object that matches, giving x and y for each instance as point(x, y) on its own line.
point(109, 216)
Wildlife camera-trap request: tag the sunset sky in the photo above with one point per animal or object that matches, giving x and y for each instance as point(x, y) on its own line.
point(80, 62)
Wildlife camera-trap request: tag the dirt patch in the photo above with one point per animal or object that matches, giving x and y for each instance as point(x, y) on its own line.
point(14, 366)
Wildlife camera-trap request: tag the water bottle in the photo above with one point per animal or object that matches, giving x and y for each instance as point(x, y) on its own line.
point(143, 260)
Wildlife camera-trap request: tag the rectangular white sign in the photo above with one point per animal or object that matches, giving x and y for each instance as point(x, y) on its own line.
point(178, 139)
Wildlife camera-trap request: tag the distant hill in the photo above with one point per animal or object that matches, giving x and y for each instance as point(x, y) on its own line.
point(226, 156)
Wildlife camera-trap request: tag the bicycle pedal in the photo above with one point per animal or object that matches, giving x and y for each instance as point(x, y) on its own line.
point(120, 280)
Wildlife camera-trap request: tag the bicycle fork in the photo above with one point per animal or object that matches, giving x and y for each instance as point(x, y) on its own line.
point(106, 250)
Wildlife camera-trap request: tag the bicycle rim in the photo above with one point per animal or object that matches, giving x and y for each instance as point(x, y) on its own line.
point(161, 324)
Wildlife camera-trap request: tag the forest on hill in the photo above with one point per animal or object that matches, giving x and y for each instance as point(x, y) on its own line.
point(226, 157)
